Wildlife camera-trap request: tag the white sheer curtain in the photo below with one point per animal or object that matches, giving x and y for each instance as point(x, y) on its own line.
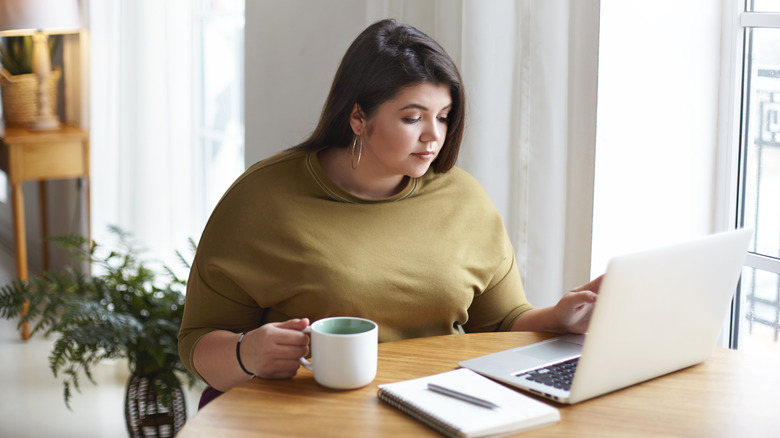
point(530, 71)
point(141, 122)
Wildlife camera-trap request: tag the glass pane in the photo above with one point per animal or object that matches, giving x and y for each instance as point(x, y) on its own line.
point(763, 6)
point(760, 303)
point(222, 117)
point(762, 176)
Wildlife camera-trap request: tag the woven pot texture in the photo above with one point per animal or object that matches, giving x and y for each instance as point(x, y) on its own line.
point(145, 414)
point(19, 95)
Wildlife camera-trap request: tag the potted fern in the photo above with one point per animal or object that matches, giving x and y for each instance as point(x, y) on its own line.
point(122, 310)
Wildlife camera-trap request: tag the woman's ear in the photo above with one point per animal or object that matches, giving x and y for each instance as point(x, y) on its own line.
point(357, 120)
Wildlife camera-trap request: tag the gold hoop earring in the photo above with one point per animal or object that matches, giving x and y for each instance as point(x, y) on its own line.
point(360, 151)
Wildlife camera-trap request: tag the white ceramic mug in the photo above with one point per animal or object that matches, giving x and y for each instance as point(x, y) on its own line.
point(343, 351)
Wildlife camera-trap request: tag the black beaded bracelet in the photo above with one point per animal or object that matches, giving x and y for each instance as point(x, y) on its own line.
point(238, 354)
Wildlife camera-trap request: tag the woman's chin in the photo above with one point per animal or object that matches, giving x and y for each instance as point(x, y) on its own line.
point(418, 171)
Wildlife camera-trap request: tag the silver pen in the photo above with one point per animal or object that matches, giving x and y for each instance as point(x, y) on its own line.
point(462, 396)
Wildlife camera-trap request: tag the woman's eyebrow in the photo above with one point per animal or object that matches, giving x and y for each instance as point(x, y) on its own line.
point(421, 107)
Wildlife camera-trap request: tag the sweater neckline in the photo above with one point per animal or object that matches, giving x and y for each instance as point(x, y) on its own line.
point(339, 194)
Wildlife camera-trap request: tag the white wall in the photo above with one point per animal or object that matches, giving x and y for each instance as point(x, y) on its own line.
point(288, 76)
point(657, 124)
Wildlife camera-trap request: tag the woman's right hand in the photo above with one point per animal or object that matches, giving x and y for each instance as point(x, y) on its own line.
point(270, 351)
point(273, 350)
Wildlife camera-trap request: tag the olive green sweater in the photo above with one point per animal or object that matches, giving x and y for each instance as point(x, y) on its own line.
point(286, 242)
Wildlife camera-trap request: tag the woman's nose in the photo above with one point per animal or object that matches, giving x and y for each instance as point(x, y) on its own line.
point(433, 132)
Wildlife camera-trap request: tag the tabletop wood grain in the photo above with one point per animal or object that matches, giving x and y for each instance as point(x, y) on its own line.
point(731, 394)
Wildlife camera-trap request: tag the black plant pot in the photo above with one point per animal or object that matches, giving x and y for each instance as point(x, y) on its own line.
point(145, 413)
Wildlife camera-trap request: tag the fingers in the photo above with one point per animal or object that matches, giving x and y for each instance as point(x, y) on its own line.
point(281, 369)
point(292, 324)
point(592, 285)
point(575, 309)
point(575, 299)
point(289, 332)
point(274, 349)
point(587, 296)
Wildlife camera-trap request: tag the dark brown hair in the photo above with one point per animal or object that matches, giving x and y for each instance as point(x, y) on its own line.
point(383, 60)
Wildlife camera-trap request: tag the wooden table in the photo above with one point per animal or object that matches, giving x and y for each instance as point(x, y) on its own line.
point(27, 155)
point(730, 395)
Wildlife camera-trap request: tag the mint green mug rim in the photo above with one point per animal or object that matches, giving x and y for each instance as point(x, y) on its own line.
point(344, 325)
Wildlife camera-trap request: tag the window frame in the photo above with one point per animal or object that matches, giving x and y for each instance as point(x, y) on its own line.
point(736, 24)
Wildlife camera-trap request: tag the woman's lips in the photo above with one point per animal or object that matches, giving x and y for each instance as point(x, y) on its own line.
point(428, 155)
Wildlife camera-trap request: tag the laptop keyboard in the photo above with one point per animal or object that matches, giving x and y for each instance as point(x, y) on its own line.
point(558, 375)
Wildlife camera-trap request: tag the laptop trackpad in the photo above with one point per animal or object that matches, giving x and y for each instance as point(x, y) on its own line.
point(546, 352)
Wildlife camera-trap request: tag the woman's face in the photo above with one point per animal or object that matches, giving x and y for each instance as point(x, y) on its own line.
point(406, 133)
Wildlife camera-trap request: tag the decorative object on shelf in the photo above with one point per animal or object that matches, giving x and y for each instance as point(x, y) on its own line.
point(18, 84)
point(121, 310)
point(39, 18)
point(18, 95)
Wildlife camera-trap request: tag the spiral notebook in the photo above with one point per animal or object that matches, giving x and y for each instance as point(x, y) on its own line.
point(454, 417)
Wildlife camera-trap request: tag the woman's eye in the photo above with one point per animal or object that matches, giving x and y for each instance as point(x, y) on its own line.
point(444, 119)
point(410, 120)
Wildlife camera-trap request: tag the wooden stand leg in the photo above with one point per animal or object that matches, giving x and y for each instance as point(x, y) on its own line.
point(21, 245)
point(87, 213)
point(44, 224)
point(88, 216)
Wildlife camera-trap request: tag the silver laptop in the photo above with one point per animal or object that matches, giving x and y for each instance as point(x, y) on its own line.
point(658, 311)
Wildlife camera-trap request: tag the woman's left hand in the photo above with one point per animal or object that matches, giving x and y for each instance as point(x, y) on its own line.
point(576, 307)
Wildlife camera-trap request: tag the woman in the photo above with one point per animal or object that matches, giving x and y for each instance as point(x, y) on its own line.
point(369, 218)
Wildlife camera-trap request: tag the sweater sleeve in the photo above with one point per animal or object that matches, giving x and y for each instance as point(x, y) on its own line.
point(207, 310)
point(501, 303)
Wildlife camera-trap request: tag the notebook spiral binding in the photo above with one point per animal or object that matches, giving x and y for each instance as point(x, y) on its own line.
point(418, 413)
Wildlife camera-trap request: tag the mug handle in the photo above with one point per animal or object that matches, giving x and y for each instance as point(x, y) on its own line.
point(306, 364)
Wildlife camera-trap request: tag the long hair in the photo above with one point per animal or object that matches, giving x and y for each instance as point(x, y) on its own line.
point(383, 60)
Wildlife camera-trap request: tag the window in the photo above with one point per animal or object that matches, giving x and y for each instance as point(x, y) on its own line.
point(166, 117)
point(756, 322)
point(221, 115)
